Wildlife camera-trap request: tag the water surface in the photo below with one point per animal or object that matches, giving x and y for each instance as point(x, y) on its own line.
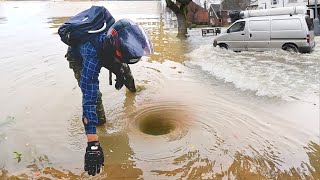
point(228, 115)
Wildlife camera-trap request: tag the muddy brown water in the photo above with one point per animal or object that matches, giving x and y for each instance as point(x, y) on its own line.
point(220, 115)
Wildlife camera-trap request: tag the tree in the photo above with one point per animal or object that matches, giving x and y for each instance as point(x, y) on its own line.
point(235, 4)
point(180, 9)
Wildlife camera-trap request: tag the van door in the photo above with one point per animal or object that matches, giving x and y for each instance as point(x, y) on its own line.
point(287, 30)
point(235, 37)
point(258, 36)
point(310, 31)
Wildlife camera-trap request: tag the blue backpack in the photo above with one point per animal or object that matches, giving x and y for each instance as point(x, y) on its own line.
point(85, 26)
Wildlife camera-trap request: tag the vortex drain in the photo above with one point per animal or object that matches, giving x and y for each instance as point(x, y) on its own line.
point(156, 125)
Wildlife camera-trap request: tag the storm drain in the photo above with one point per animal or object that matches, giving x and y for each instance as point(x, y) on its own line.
point(156, 124)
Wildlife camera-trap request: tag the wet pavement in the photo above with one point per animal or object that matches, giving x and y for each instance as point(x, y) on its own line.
point(200, 112)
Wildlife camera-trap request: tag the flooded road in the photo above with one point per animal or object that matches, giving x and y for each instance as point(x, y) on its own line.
point(200, 112)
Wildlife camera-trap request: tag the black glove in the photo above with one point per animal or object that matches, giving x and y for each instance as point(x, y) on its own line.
point(128, 78)
point(94, 158)
point(124, 77)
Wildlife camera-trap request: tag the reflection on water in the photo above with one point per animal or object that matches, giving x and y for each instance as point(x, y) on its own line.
point(244, 167)
point(190, 166)
point(57, 21)
point(166, 45)
point(208, 133)
point(118, 153)
point(118, 157)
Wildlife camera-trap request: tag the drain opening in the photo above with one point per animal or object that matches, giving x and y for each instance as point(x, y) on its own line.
point(156, 125)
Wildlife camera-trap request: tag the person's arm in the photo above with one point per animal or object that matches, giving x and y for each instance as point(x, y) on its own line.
point(89, 85)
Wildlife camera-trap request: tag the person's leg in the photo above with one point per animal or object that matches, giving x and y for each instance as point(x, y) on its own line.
point(100, 110)
point(76, 66)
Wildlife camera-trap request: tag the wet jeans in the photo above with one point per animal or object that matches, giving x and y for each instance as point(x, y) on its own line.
point(76, 66)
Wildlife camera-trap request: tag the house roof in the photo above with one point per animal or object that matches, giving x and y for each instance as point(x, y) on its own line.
point(215, 7)
point(219, 15)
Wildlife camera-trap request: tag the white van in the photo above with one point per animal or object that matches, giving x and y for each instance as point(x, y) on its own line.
point(291, 32)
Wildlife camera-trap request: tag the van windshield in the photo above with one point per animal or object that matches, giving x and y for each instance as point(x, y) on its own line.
point(239, 26)
point(309, 23)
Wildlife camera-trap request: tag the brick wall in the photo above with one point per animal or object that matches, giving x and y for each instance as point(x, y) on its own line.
point(197, 14)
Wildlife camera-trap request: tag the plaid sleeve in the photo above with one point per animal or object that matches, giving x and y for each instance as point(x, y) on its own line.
point(89, 85)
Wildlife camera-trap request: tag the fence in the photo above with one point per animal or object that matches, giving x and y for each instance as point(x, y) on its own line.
point(213, 31)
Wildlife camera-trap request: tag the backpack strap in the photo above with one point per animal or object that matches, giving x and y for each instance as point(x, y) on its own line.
point(110, 77)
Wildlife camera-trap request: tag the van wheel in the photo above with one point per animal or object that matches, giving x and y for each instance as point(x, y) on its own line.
point(290, 48)
point(223, 46)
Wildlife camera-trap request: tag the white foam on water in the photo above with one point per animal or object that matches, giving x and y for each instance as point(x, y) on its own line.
point(273, 73)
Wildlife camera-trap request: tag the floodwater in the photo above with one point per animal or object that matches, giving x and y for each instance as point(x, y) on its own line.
point(200, 113)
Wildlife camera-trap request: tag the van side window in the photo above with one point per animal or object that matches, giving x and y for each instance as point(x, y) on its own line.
point(239, 26)
point(309, 23)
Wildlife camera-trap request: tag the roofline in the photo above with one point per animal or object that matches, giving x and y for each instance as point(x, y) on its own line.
point(214, 11)
point(216, 14)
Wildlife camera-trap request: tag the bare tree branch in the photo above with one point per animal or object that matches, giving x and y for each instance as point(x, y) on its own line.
point(172, 6)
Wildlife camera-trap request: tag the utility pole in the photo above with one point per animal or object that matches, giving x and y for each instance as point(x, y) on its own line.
point(316, 20)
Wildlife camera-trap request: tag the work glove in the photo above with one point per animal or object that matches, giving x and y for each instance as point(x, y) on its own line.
point(94, 158)
point(124, 77)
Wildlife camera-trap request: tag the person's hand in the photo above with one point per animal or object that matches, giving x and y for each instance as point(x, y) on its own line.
point(119, 82)
point(128, 78)
point(94, 158)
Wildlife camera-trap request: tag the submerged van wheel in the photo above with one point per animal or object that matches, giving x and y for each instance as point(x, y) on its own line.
point(290, 48)
point(223, 46)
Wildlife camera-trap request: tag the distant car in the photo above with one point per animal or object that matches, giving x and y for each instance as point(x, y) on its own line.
point(288, 32)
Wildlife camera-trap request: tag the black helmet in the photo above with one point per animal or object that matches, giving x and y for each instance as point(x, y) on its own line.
point(128, 41)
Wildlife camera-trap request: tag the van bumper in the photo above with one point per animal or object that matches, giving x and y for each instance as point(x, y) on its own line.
point(306, 49)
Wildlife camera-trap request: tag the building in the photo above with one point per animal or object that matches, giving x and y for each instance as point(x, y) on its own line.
point(219, 16)
point(267, 4)
point(311, 6)
point(253, 5)
point(214, 19)
point(170, 19)
point(197, 14)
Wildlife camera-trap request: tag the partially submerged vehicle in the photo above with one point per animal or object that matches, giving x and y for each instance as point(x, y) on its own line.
point(269, 29)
